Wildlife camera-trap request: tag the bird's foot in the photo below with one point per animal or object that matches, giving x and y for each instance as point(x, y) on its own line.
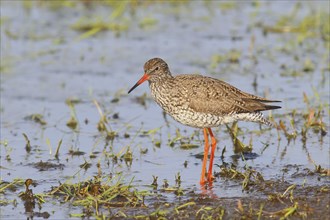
point(210, 177)
point(208, 180)
point(202, 182)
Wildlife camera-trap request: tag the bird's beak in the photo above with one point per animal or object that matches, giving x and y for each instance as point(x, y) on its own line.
point(143, 78)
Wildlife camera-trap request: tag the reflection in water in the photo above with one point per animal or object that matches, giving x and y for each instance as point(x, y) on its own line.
point(208, 190)
point(30, 201)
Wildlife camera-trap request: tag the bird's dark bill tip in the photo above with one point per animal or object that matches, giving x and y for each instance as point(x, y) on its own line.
point(136, 85)
point(143, 78)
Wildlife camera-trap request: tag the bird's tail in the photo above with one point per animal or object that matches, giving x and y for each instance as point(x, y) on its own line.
point(257, 117)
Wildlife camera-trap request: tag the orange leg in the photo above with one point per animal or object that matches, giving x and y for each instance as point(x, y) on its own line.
point(206, 152)
point(213, 144)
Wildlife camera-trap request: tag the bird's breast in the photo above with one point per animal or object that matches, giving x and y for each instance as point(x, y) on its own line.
point(169, 98)
point(175, 102)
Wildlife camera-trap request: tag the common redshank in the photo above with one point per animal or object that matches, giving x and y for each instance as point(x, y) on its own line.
point(202, 102)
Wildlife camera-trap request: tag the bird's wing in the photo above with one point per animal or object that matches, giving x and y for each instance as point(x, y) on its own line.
point(209, 95)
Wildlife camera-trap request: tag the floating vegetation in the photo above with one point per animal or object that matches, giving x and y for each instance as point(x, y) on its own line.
point(249, 177)
point(239, 147)
point(233, 57)
point(188, 146)
point(45, 166)
point(141, 99)
point(128, 157)
point(184, 141)
point(76, 152)
point(148, 22)
point(72, 122)
point(98, 194)
point(307, 27)
point(28, 144)
point(309, 66)
point(37, 118)
point(103, 124)
point(90, 27)
point(11, 186)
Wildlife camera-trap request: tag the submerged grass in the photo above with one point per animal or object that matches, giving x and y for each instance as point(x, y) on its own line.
point(103, 125)
point(311, 26)
point(37, 118)
point(100, 193)
point(292, 198)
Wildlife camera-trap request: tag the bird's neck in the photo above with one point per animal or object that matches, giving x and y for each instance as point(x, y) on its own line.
point(164, 82)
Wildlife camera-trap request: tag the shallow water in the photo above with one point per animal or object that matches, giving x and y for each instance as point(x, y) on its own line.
point(43, 63)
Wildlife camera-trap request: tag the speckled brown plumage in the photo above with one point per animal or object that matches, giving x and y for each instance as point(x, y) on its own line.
point(201, 101)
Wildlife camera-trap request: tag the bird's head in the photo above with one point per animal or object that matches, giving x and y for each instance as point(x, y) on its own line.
point(155, 69)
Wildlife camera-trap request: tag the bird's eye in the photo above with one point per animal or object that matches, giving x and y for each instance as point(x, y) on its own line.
point(157, 68)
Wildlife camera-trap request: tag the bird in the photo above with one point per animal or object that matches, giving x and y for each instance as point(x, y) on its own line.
point(202, 102)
